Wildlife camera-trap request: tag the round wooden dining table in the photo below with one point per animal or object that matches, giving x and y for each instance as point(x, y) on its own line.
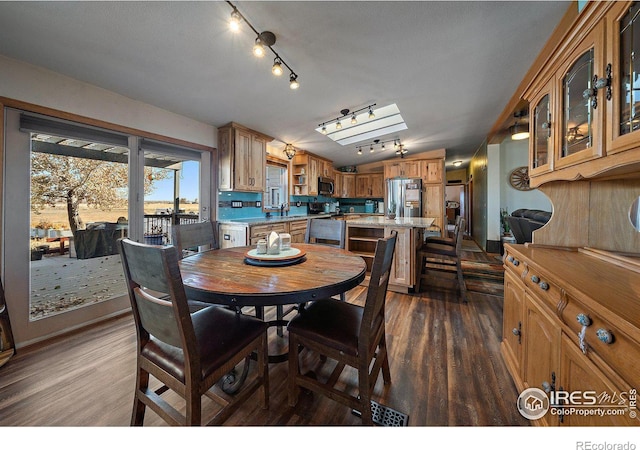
point(223, 277)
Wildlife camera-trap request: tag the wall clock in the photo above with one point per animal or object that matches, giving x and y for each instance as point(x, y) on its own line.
point(519, 178)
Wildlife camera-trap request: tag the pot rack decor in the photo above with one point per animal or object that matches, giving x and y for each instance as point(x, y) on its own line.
point(264, 38)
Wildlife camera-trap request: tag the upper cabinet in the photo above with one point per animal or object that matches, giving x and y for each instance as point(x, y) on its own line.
point(241, 158)
point(583, 117)
point(307, 167)
point(402, 169)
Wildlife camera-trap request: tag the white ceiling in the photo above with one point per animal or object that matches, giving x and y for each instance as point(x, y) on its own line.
point(451, 67)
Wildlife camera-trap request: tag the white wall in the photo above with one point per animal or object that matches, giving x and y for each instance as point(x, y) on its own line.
point(494, 182)
point(32, 84)
point(514, 154)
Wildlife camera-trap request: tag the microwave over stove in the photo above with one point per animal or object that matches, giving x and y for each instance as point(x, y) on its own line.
point(325, 186)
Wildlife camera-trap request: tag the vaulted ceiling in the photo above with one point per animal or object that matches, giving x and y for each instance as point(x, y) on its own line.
point(450, 67)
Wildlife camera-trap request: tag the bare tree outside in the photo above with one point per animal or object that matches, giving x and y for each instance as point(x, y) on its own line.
point(75, 181)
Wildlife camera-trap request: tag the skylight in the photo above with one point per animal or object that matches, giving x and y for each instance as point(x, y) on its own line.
point(387, 120)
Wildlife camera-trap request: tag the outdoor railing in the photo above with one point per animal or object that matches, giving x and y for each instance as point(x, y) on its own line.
point(157, 227)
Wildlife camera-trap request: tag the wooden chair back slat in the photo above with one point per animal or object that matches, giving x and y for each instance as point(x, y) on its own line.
point(192, 236)
point(376, 294)
point(155, 283)
point(326, 232)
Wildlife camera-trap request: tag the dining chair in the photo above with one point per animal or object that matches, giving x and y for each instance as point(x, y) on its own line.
point(188, 353)
point(350, 334)
point(442, 256)
point(323, 232)
point(188, 238)
point(445, 240)
point(327, 232)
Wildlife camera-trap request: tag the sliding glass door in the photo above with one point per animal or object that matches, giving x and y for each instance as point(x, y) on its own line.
point(70, 192)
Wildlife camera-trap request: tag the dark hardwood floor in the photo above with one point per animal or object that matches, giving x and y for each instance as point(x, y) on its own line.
point(446, 370)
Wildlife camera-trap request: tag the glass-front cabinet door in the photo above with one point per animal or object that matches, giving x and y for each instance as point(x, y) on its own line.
point(623, 121)
point(580, 102)
point(541, 144)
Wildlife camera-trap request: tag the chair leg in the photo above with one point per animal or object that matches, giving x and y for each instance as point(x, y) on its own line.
point(419, 269)
point(365, 396)
point(193, 408)
point(294, 370)
point(461, 284)
point(142, 383)
point(386, 371)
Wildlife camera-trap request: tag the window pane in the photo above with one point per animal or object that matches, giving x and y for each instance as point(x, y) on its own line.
point(629, 71)
point(79, 209)
point(542, 132)
point(577, 109)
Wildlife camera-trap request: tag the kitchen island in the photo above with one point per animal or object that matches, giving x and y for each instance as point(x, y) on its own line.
point(364, 232)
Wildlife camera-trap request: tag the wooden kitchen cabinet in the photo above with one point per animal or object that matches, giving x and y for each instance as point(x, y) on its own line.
point(362, 240)
point(433, 204)
point(541, 350)
point(593, 125)
point(432, 170)
point(241, 158)
point(402, 169)
point(556, 294)
point(403, 257)
point(297, 230)
point(348, 185)
point(513, 320)
point(369, 185)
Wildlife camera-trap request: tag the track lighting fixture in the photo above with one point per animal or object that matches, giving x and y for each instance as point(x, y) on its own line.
point(264, 40)
point(371, 114)
point(345, 114)
point(399, 147)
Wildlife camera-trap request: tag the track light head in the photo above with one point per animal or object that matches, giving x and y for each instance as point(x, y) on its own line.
point(293, 81)
point(276, 69)
point(258, 48)
point(234, 21)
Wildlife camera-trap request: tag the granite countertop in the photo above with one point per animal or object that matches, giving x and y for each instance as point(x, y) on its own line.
point(274, 219)
point(409, 222)
point(277, 219)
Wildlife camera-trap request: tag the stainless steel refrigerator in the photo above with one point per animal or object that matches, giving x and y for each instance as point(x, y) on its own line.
point(404, 195)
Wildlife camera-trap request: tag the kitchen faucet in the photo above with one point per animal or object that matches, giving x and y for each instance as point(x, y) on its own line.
point(282, 206)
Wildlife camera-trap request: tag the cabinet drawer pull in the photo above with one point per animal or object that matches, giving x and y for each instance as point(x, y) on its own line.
point(604, 336)
point(583, 320)
point(510, 258)
point(544, 285)
point(516, 262)
point(535, 279)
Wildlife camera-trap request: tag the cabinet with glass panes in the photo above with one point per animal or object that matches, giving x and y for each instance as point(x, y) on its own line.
point(585, 103)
